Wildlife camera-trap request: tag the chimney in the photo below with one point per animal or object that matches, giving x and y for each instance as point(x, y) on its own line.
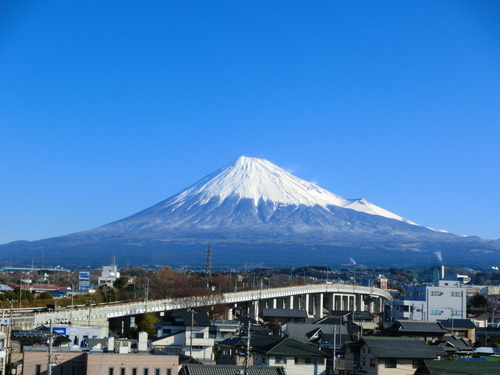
point(442, 272)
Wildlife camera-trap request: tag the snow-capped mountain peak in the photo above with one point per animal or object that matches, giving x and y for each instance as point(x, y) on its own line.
point(260, 180)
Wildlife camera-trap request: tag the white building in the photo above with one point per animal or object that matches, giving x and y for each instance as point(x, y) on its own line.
point(109, 275)
point(446, 300)
point(80, 335)
point(186, 333)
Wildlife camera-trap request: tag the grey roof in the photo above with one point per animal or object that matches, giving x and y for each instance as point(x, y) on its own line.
point(284, 313)
point(417, 327)
point(304, 331)
point(455, 343)
point(490, 331)
point(193, 369)
point(183, 318)
point(329, 320)
point(391, 347)
point(457, 323)
point(256, 341)
point(462, 367)
point(292, 347)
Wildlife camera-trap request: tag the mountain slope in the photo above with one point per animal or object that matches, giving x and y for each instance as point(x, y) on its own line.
point(247, 193)
point(252, 209)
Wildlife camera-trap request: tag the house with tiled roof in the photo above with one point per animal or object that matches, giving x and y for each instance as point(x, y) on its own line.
point(296, 357)
point(455, 347)
point(424, 330)
point(185, 333)
point(232, 351)
point(283, 315)
point(379, 355)
point(192, 369)
point(463, 328)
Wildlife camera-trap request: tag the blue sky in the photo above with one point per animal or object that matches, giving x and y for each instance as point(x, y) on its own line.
point(107, 108)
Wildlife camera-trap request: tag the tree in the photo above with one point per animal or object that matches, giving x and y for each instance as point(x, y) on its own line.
point(148, 324)
point(121, 282)
point(45, 295)
point(478, 300)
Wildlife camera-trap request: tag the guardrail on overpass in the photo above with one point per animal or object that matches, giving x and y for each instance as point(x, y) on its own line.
point(116, 310)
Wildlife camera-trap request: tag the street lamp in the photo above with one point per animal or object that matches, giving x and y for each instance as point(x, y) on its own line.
point(253, 278)
point(291, 274)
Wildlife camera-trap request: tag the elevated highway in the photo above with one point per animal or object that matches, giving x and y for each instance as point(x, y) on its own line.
point(316, 299)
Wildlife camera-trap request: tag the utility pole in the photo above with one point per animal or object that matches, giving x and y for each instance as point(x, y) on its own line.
point(7, 344)
point(247, 351)
point(51, 343)
point(191, 335)
point(208, 264)
point(334, 348)
point(72, 303)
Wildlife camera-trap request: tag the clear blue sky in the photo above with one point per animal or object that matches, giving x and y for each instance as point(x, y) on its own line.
point(108, 107)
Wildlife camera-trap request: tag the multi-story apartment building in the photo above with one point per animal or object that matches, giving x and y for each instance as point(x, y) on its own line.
point(445, 300)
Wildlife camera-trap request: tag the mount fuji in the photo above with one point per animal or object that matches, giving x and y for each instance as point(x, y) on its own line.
point(256, 213)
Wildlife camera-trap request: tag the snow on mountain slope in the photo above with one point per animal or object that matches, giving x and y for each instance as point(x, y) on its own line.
point(260, 180)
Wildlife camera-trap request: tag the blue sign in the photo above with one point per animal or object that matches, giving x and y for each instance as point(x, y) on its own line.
point(84, 276)
point(60, 330)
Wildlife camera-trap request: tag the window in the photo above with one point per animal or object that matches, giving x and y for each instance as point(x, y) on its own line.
point(198, 335)
point(169, 372)
point(122, 371)
point(111, 370)
point(157, 371)
point(38, 369)
point(436, 312)
point(146, 371)
point(280, 360)
point(390, 363)
point(456, 294)
point(435, 293)
point(372, 362)
point(308, 361)
point(134, 371)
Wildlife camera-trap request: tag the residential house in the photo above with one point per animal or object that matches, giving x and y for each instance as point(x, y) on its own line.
point(379, 355)
point(423, 330)
point(296, 357)
point(488, 336)
point(283, 315)
point(462, 328)
point(455, 347)
point(188, 333)
point(232, 351)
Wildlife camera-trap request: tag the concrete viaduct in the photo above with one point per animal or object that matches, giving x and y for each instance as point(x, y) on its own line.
point(316, 299)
